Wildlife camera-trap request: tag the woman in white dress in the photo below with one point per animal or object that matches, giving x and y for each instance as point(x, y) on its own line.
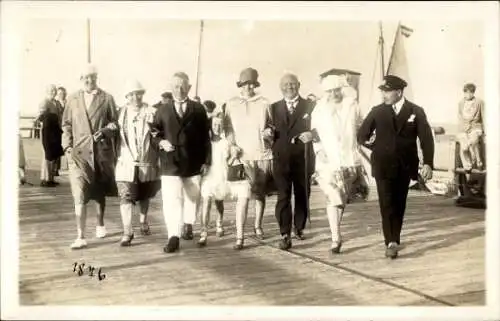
point(335, 121)
point(215, 184)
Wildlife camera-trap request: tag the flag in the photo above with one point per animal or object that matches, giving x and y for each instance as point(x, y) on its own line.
point(398, 63)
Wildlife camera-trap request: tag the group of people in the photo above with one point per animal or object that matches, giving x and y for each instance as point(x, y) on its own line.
point(198, 154)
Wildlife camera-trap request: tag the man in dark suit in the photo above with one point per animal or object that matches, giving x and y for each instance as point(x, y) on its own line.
point(288, 125)
point(397, 123)
point(181, 130)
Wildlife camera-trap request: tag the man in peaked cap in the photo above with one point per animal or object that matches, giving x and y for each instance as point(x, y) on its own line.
point(398, 123)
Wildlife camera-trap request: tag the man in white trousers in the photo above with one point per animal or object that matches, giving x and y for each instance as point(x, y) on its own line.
point(181, 131)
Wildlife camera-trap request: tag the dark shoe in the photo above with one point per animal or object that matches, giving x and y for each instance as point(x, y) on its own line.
point(298, 234)
point(238, 245)
point(172, 245)
point(259, 233)
point(187, 233)
point(145, 229)
point(285, 243)
point(127, 240)
point(44, 184)
point(52, 183)
point(336, 247)
point(391, 251)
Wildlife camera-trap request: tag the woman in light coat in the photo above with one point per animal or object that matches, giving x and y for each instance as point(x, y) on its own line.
point(137, 172)
point(335, 122)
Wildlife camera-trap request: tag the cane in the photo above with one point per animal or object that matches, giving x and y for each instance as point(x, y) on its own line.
point(306, 176)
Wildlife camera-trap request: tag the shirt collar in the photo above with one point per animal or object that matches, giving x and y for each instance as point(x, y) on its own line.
point(292, 101)
point(250, 99)
point(180, 101)
point(399, 104)
point(93, 92)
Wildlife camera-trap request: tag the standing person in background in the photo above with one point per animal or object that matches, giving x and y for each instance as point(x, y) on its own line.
point(288, 126)
point(50, 116)
point(245, 117)
point(394, 159)
point(210, 107)
point(89, 133)
point(471, 122)
point(61, 98)
point(166, 98)
point(182, 132)
point(137, 170)
point(22, 162)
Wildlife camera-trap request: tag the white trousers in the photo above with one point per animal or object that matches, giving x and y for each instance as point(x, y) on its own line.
point(180, 197)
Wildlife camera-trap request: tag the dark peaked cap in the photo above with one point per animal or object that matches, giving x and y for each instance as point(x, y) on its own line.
point(391, 82)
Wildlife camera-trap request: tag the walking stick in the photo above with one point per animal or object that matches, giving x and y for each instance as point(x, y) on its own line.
point(306, 176)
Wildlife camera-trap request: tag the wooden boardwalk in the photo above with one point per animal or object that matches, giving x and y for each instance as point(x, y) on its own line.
point(441, 264)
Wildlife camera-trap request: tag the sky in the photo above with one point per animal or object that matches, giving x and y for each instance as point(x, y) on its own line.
point(442, 56)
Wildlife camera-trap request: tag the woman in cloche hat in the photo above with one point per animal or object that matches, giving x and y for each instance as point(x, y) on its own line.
point(137, 172)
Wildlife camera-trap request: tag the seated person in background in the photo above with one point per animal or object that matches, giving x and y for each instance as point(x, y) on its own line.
point(471, 128)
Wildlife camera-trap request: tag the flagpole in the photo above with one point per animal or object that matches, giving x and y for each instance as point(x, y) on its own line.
point(89, 58)
point(381, 42)
point(394, 45)
point(198, 59)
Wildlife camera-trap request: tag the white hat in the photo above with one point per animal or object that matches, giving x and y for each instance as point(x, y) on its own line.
point(88, 70)
point(332, 82)
point(133, 85)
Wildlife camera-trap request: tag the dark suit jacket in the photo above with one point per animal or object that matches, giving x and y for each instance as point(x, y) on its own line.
point(394, 151)
point(189, 135)
point(285, 128)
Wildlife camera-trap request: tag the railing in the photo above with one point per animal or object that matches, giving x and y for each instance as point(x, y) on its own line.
point(34, 129)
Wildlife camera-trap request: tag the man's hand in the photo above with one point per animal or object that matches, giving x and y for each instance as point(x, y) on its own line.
point(305, 137)
point(426, 173)
point(166, 145)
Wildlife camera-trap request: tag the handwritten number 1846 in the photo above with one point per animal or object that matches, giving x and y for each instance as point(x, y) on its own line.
point(80, 270)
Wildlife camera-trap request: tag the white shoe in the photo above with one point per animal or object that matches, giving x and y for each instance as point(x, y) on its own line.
point(78, 244)
point(100, 232)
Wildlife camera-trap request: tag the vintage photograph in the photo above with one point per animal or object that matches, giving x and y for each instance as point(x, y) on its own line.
point(206, 161)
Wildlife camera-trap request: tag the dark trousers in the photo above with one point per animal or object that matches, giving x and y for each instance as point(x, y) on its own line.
point(392, 194)
point(286, 177)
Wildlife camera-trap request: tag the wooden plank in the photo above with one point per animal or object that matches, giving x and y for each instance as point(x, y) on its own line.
point(441, 263)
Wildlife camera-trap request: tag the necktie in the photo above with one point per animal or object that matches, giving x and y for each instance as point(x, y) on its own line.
point(291, 107)
point(180, 108)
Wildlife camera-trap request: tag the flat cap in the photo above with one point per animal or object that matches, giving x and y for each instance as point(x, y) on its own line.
point(392, 82)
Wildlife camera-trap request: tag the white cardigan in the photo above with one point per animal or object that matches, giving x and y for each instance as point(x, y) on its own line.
point(336, 126)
